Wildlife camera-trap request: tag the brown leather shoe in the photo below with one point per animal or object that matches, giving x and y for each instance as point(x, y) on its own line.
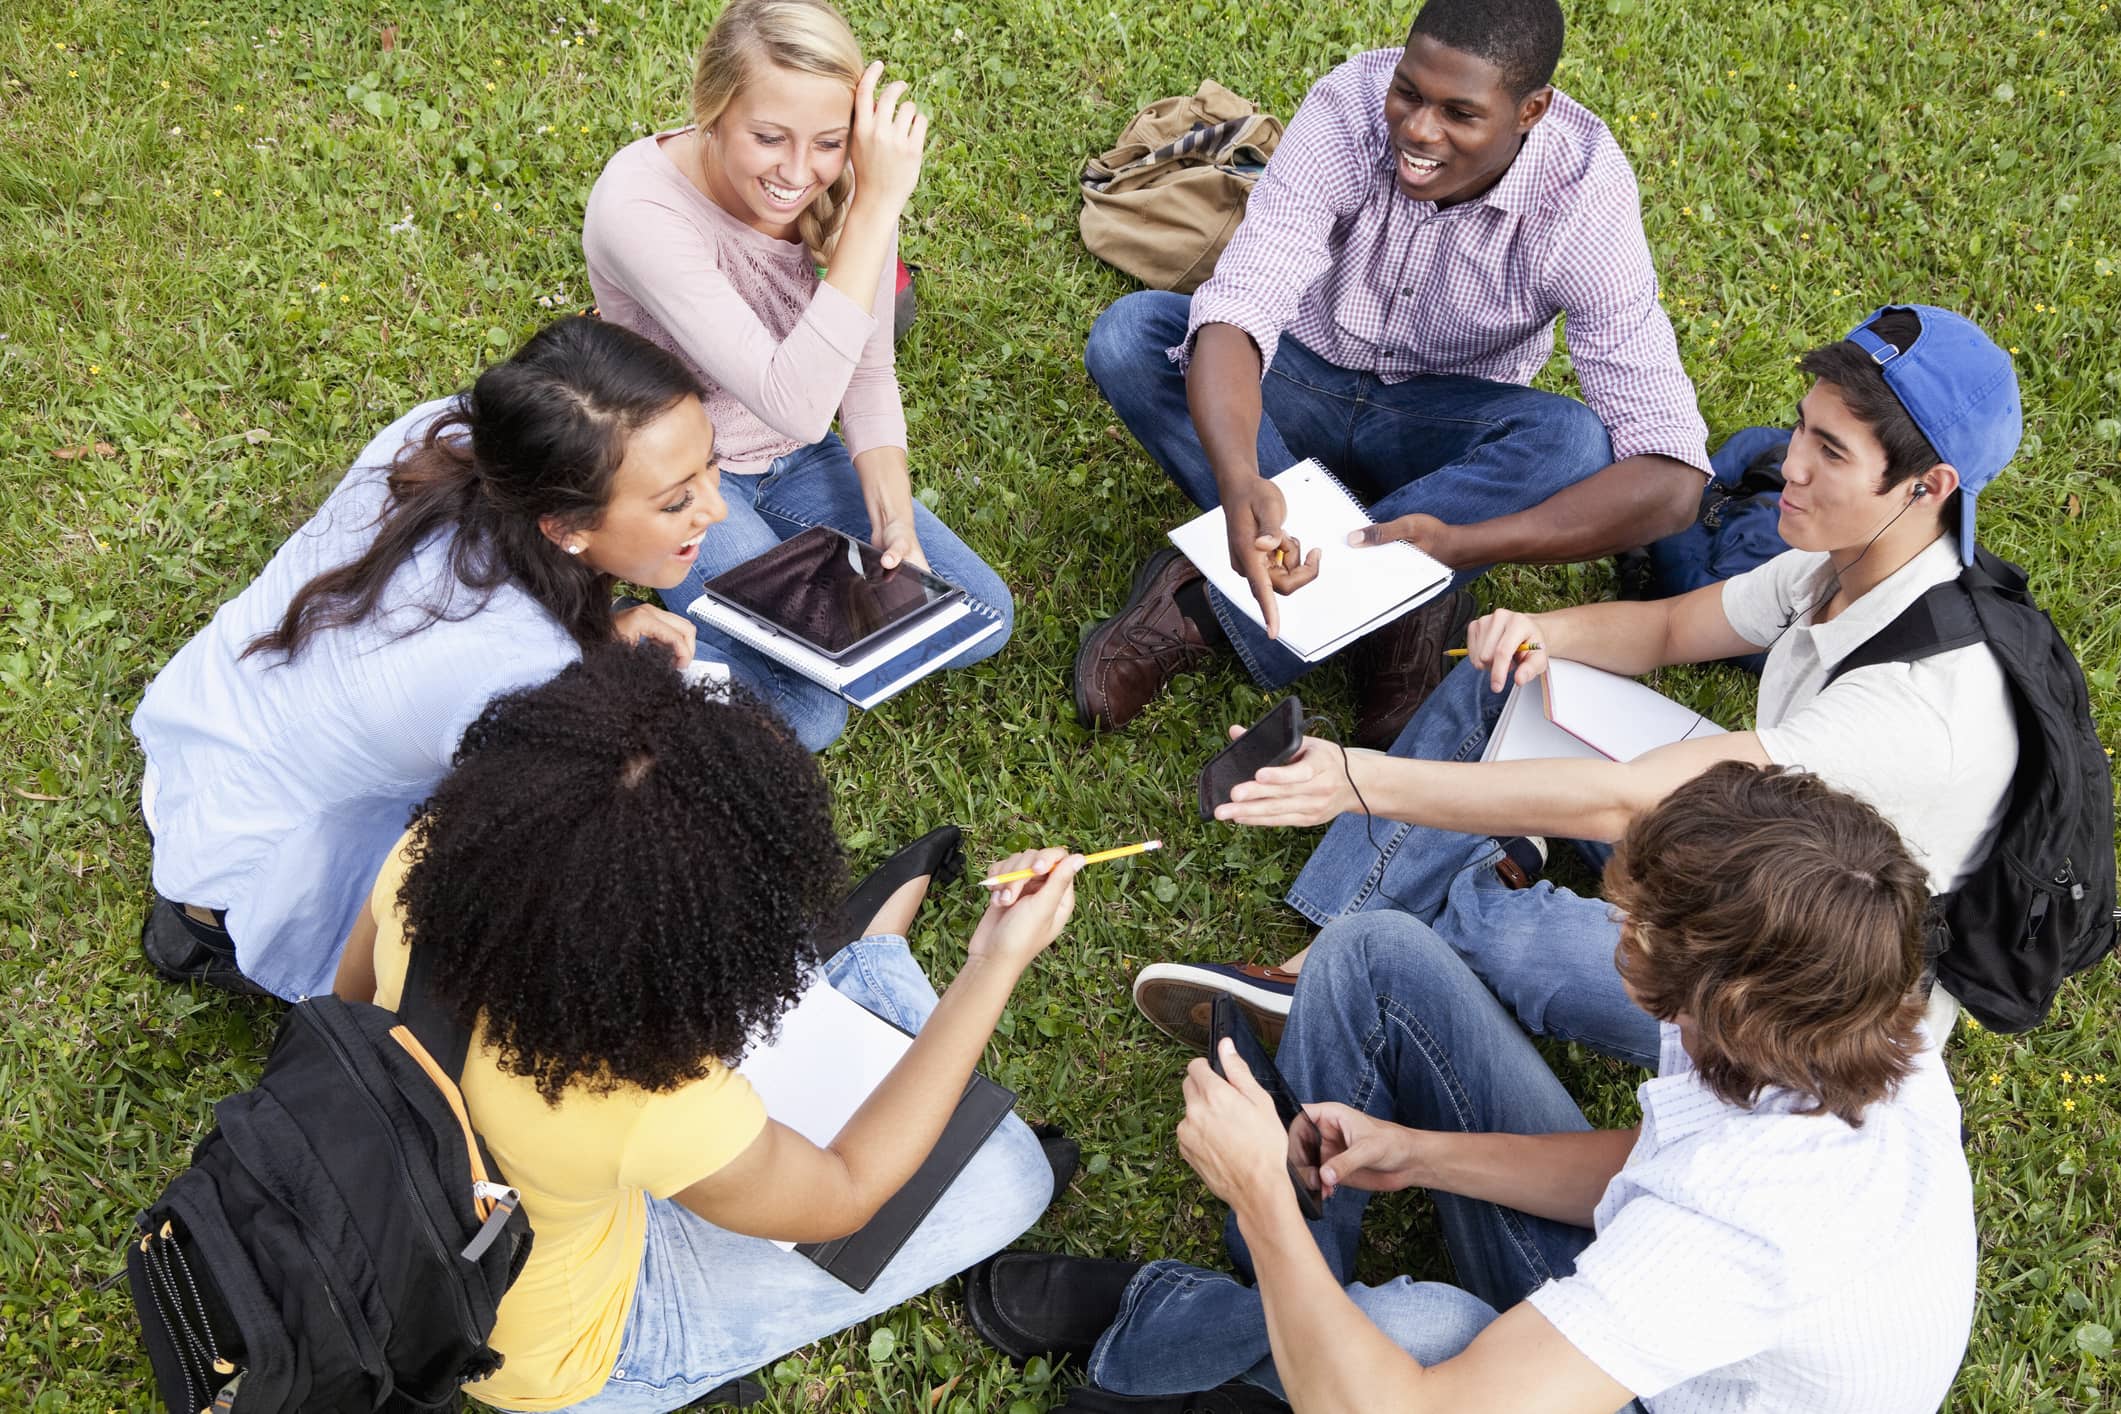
point(1398, 666)
point(1130, 657)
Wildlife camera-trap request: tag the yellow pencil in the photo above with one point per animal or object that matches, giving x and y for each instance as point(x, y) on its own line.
point(1525, 647)
point(1098, 858)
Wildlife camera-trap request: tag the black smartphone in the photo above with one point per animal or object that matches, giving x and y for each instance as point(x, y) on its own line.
point(1227, 1019)
point(1273, 740)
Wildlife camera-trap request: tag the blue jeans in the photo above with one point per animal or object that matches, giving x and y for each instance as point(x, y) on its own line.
point(1389, 1020)
point(818, 485)
point(1546, 952)
point(711, 1305)
point(1460, 449)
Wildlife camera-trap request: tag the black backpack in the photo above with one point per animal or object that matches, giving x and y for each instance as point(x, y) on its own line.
point(2040, 905)
point(342, 1240)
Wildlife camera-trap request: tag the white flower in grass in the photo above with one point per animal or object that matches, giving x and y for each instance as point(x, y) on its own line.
point(404, 227)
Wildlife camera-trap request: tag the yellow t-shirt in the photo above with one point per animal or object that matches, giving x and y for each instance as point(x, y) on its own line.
point(584, 1167)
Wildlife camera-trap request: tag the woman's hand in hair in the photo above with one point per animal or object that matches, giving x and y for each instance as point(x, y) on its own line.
point(1023, 917)
point(643, 623)
point(889, 137)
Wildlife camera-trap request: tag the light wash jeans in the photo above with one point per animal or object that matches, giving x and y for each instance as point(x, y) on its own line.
point(711, 1305)
point(1459, 449)
point(818, 485)
point(1389, 1020)
point(1546, 952)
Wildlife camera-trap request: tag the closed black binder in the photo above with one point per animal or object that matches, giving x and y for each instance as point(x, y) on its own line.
point(858, 1258)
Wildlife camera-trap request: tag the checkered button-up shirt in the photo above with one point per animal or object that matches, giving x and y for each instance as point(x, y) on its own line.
point(1334, 255)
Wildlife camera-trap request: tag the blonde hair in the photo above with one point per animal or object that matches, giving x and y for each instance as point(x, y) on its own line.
point(808, 36)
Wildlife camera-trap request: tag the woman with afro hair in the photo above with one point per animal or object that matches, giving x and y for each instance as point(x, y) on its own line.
point(620, 879)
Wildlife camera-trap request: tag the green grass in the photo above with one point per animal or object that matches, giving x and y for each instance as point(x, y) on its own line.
point(201, 275)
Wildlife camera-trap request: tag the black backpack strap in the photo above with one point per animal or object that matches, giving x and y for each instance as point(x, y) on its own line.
point(1941, 620)
point(446, 1040)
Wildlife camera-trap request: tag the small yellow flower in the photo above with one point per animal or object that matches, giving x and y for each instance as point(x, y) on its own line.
point(585, 127)
point(73, 73)
point(165, 83)
point(2041, 307)
point(345, 299)
point(2066, 1078)
point(578, 39)
point(2100, 1077)
point(1730, 73)
point(217, 191)
point(489, 85)
point(2069, 1104)
point(323, 285)
point(1791, 87)
point(95, 368)
point(1804, 235)
point(1686, 210)
point(2014, 348)
point(239, 108)
point(1995, 1077)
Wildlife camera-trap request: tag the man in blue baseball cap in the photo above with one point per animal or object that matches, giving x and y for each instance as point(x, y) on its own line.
point(1906, 422)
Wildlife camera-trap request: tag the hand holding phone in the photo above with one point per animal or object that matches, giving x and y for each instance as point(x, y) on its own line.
point(1226, 1021)
point(1271, 741)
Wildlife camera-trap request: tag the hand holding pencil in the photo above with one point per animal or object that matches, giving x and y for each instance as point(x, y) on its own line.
point(1511, 645)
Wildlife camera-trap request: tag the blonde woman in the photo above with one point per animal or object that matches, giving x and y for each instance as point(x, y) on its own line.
point(711, 240)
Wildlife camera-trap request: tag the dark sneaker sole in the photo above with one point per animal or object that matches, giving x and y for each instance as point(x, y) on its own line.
point(1177, 1003)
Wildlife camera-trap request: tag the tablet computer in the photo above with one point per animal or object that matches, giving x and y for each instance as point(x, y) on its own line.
point(830, 592)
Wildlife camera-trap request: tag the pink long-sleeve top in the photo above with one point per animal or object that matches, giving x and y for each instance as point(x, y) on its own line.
point(776, 349)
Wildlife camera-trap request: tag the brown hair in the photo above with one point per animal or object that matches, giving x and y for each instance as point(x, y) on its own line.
point(1784, 920)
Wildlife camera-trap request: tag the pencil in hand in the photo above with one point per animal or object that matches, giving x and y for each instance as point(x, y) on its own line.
point(1099, 858)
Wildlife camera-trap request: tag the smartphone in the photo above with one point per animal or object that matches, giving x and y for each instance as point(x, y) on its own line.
point(1273, 740)
point(1227, 1019)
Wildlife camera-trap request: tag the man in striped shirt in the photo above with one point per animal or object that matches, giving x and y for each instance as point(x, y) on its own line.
point(1392, 290)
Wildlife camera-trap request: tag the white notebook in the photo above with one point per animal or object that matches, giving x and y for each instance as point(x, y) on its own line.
point(1357, 589)
point(895, 664)
point(830, 1054)
point(1588, 712)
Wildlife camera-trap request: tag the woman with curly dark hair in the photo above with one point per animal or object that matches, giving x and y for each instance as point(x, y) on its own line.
point(472, 549)
point(620, 879)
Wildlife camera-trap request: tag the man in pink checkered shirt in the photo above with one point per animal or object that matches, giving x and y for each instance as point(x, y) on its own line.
point(1390, 294)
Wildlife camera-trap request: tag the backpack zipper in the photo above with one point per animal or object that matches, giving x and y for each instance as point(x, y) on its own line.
point(173, 1319)
point(427, 1225)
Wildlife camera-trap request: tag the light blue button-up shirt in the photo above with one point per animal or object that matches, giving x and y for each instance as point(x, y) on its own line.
point(278, 788)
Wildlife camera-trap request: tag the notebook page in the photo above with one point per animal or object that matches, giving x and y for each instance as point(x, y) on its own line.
point(1356, 589)
point(1523, 733)
point(830, 1054)
point(1618, 717)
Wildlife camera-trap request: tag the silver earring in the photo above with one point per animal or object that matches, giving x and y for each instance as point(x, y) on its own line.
point(574, 549)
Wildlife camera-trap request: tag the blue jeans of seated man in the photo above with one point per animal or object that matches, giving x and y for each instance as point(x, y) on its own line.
point(1459, 449)
point(1389, 1020)
point(710, 1305)
point(1546, 952)
point(818, 485)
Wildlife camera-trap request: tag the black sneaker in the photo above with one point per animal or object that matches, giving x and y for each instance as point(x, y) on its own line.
point(1028, 1304)
point(739, 1393)
point(180, 948)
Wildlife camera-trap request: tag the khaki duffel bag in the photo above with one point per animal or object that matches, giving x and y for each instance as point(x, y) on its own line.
point(1163, 204)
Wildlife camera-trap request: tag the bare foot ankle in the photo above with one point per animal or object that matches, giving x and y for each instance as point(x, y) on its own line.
point(897, 914)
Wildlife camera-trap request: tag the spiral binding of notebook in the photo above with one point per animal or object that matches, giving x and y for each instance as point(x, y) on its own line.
point(875, 676)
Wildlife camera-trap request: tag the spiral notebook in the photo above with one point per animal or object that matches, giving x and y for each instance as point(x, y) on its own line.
point(1357, 590)
point(867, 679)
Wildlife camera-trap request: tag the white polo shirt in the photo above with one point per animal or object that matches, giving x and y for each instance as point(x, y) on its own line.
point(1931, 745)
point(1757, 1259)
